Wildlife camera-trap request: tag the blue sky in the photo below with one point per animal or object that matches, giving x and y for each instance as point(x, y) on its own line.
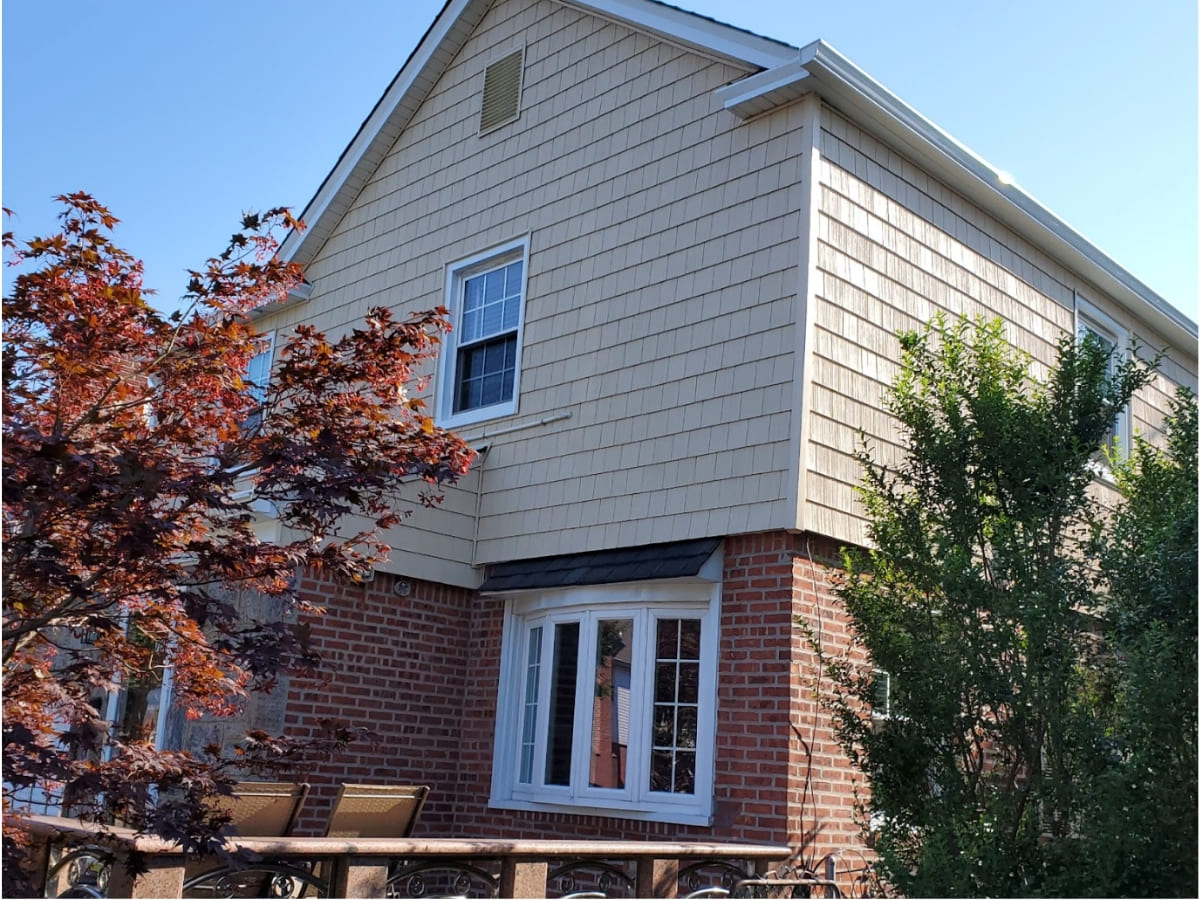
point(179, 116)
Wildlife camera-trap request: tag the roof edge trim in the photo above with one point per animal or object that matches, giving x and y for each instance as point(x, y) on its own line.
point(693, 30)
point(291, 250)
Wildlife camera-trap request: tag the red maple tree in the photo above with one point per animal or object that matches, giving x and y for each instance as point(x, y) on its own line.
point(137, 457)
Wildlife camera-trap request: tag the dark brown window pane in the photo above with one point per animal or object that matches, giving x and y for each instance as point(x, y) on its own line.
point(685, 772)
point(660, 770)
point(685, 729)
point(689, 682)
point(562, 703)
point(668, 639)
point(689, 639)
point(664, 682)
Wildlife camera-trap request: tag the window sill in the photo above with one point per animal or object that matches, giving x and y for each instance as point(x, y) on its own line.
point(1102, 472)
point(475, 416)
point(638, 813)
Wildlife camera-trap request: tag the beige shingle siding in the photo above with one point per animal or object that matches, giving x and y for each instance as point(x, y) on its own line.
point(661, 285)
point(894, 248)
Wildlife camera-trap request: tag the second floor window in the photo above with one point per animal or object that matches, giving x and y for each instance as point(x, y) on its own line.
point(481, 361)
point(1090, 322)
point(258, 379)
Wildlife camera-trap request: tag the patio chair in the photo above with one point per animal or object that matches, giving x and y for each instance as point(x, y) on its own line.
point(256, 809)
point(263, 808)
point(376, 810)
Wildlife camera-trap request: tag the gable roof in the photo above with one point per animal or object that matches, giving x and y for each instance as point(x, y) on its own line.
point(778, 74)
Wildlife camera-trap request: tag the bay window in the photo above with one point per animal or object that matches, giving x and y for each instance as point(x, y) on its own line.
point(607, 702)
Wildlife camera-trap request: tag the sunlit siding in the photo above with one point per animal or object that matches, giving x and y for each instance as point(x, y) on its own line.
point(660, 298)
point(895, 247)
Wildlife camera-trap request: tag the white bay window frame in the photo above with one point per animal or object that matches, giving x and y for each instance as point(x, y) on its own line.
point(645, 604)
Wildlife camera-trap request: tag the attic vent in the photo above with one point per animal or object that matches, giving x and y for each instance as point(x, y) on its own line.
point(501, 91)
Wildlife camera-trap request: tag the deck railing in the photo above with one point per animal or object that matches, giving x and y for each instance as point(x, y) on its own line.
point(76, 859)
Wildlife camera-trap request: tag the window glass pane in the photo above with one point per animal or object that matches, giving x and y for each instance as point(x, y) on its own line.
point(661, 770)
point(473, 294)
point(493, 317)
point(689, 639)
point(492, 389)
point(512, 278)
point(486, 373)
point(562, 703)
point(533, 671)
point(689, 682)
point(676, 709)
point(1109, 342)
point(685, 734)
point(685, 773)
point(493, 289)
point(472, 326)
point(610, 709)
point(881, 686)
point(664, 682)
point(668, 639)
point(258, 374)
point(512, 295)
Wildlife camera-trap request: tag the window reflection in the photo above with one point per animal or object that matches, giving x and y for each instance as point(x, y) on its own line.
point(610, 710)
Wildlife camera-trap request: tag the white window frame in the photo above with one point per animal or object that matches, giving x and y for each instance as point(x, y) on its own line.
point(259, 391)
point(456, 279)
point(645, 603)
point(1088, 318)
point(883, 676)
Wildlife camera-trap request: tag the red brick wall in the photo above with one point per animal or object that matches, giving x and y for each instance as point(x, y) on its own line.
point(823, 783)
point(422, 672)
point(398, 666)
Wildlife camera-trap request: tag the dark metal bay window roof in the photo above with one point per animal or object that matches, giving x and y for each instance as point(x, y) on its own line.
point(678, 559)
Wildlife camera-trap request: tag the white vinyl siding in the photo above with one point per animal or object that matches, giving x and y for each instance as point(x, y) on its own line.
point(661, 285)
point(895, 247)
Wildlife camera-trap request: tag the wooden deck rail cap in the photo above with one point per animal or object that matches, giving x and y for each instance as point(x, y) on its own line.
point(57, 826)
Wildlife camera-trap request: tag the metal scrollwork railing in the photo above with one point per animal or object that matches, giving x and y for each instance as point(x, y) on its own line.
point(441, 878)
point(710, 877)
point(261, 879)
point(80, 871)
point(590, 877)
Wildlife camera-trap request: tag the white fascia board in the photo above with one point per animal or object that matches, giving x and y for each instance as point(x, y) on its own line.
point(819, 68)
point(680, 26)
point(380, 128)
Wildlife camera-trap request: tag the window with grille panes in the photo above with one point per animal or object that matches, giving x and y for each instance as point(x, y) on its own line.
point(607, 702)
point(481, 358)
